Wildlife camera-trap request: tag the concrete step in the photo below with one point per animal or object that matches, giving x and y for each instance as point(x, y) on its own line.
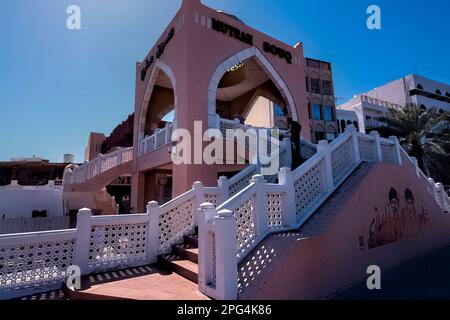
point(187, 251)
point(181, 266)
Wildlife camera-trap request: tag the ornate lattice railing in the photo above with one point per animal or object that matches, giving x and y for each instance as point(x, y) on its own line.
point(29, 262)
point(307, 150)
point(102, 164)
point(262, 208)
point(160, 138)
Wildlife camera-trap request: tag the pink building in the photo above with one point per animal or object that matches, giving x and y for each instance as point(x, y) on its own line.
point(209, 66)
point(226, 231)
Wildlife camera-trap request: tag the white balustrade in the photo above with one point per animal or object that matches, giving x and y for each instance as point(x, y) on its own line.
point(160, 138)
point(99, 165)
point(233, 219)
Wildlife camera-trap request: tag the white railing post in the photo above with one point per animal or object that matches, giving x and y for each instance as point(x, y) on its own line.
point(153, 243)
point(119, 156)
point(416, 165)
point(286, 179)
point(83, 238)
point(327, 169)
point(355, 145)
point(199, 190)
point(226, 256)
point(206, 214)
point(167, 137)
point(440, 193)
point(98, 165)
point(378, 154)
point(397, 151)
point(155, 141)
point(224, 187)
point(260, 205)
point(432, 187)
point(86, 173)
point(286, 156)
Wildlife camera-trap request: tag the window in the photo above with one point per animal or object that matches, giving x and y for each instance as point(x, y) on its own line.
point(315, 85)
point(307, 84)
point(423, 107)
point(441, 111)
point(438, 92)
point(326, 87)
point(420, 87)
point(447, 94)
point(316, 112)
point(328, 113)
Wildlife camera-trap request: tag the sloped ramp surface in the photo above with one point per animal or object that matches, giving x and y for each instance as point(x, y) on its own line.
point(332, 251)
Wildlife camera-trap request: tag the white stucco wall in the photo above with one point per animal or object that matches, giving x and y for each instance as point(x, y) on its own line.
point(18, 201)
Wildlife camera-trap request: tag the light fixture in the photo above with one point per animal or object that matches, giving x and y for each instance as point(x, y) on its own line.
point(236, 67)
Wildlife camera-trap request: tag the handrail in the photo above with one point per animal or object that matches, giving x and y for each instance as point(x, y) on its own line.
point(99, 165)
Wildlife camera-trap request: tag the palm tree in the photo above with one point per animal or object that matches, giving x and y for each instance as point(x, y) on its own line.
point(425, 135)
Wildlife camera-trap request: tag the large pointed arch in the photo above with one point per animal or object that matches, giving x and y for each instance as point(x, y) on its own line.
point(265, 65)
point(159, 67)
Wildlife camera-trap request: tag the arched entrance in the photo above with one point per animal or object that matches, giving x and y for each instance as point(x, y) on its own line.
point(245, 79)
point(160, 101)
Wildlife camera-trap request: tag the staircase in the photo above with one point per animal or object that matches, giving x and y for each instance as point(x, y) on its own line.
point(183, 259)
point(174, 277)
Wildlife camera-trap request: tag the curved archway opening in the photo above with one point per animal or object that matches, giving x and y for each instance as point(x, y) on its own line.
point(159, 106)
point(247, 87)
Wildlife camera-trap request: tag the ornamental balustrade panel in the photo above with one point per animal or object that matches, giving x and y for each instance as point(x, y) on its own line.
point(309, 187)
point(275, 209)
point(242, 180)
point(367, 149)
point(341, 159)
point(113, 244)
point(177, 218)
point(388, 152)
point(213, 196)
point(34, 261)
point(307, 150)
point(406, 160)
point(243, 206)
point(160, 138)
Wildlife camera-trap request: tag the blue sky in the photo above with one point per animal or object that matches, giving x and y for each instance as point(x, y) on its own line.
point(58, 85)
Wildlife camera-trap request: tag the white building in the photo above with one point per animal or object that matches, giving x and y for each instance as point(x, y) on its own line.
point(371, 106)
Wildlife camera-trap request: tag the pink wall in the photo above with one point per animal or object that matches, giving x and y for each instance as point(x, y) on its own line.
point(330, 257)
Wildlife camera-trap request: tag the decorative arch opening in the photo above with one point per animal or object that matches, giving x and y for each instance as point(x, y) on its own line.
point(159, 107)
point(246, 86)
point(438, 92)
point(423, 107)
point(420, 87)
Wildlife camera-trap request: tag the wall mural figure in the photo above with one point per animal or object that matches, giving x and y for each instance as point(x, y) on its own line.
point(395, 223)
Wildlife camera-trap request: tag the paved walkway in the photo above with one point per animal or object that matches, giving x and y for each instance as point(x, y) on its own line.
point(141, 283)
point(426, 278)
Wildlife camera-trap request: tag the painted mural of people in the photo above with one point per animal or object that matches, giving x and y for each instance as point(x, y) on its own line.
point(396, 224)
point(424, 221)
point(409, 215)
point(397, 228)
